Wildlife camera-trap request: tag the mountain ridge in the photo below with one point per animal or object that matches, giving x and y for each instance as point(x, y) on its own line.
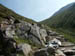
point(4, 12)
point(68, 13)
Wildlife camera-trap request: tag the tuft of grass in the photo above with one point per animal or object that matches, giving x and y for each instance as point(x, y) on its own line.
point(21, 40)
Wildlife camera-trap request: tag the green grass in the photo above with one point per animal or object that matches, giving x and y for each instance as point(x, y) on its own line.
point(20, 40)
point(67, 34)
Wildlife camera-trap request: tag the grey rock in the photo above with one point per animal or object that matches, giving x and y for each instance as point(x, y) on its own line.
point(35, 30)
point(23, 30)
point(34, 39)
point(26, 48)
point(59, 53)
point(43, 34)
point(27, 30)
point(10, 31)
point(53, 33)
point(45, 52)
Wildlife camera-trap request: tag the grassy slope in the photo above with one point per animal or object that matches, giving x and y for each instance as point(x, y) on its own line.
point(63, 22)
point(7, 12)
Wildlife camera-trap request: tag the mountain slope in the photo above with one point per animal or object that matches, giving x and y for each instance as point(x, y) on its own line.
point(4, 12)
point(63, 20)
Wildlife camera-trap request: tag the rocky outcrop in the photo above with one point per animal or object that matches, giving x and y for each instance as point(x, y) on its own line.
point(10, 31)
point(33, 32)
point(47, 42)
point(7, 44)
point(45, 52)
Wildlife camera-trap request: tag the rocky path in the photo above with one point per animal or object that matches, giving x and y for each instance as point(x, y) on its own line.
point(46, 41)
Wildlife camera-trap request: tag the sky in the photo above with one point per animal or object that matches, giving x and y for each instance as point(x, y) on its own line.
point(37, 10)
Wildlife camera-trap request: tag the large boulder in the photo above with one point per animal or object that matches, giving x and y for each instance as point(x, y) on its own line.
point(43, 34)
point(26, 48)
point(34, 39)
point(10, 31)
point(32, 31)
point(59, 53)
point(45, 52)
point(35, 30)
point(7, 45)
point(23, 29)
point(24, 26)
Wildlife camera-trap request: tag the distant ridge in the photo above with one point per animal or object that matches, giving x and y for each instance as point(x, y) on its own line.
point(63, 20)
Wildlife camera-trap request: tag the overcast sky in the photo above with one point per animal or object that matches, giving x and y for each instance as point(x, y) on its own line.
point(37, 10)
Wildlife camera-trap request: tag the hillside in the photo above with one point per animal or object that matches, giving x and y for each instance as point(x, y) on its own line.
point(63, 20)
point(25, 37)
point(4, 12)
point(21, 37)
